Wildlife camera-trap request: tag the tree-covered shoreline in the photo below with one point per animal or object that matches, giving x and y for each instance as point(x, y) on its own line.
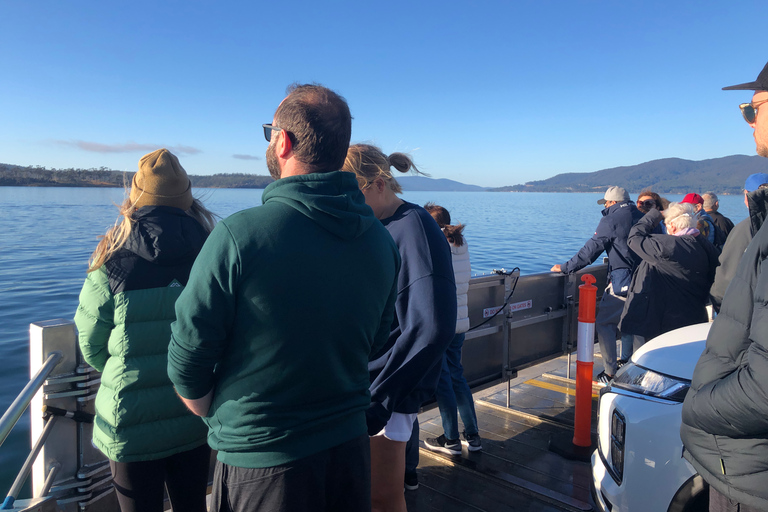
point(37, 176)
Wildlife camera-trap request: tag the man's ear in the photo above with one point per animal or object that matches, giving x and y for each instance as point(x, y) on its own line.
point(284, 145)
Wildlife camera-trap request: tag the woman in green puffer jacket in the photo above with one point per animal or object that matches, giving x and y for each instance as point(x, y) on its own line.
point(126, 308)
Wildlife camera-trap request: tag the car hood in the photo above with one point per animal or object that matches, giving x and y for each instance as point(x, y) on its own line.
point(674, 353)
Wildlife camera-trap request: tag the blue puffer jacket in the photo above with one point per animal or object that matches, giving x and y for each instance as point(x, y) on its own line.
point(124, 323)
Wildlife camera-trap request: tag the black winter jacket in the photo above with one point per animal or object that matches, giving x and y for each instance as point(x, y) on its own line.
point(725, 414)
point(670, 287)
point(611, 237)
point(722, 222)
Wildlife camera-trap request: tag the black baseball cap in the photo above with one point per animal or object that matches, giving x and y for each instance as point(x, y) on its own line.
point(761, 84)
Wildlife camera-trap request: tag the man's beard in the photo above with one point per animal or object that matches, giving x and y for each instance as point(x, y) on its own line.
point(762, 149)
point(272, 164)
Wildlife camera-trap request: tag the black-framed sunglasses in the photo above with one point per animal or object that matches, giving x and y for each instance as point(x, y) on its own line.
point(650, 203)
point(268, 129)
point(749, 110)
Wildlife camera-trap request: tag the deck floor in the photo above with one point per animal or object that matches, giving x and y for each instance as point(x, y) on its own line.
point(516, 470)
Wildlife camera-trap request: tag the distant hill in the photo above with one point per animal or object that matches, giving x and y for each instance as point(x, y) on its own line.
point(36, 176)
point(422, 183)
point(18, 176)
point(724, 175)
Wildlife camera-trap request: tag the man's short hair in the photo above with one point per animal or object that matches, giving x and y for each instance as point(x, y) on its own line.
point(319, 126)
point(710, 200)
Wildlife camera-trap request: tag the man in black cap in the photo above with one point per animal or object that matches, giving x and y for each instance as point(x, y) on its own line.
point(619, 215)
point(725, 414)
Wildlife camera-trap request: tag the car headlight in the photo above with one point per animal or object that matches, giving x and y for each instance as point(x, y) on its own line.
point(647, 382)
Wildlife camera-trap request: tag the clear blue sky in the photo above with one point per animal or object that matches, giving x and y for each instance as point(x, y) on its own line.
point(487, 93)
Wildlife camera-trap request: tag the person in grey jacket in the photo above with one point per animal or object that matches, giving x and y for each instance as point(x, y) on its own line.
point(725, 414)
point(756, 200)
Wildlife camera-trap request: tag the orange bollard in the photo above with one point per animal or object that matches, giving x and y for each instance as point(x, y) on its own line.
point(585, 353)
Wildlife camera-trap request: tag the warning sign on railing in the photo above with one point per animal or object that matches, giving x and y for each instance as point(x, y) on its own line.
point(517, 306)
point(489, 312)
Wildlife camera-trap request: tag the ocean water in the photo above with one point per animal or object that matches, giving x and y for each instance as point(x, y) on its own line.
point(47, 235)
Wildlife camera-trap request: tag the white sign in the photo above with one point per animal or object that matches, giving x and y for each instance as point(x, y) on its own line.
point(519, 306)
point(489, 312)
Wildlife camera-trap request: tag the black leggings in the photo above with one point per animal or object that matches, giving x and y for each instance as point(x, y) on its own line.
point(139, 485)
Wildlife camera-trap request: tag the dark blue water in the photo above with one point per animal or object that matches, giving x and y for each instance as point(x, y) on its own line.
point(47, 235)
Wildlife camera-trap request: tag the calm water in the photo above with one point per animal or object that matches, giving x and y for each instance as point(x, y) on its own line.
point(47, 235)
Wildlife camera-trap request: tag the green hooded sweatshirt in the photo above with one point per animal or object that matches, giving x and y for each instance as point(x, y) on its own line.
point(283, 306)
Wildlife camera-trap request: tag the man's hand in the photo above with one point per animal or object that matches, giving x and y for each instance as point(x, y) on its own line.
point(556, 268)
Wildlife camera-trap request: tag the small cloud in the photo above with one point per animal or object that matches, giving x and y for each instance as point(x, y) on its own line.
point(246, 157)
point(129, 147)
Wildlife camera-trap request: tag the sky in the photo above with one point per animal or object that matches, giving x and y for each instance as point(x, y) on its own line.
point(487, 93)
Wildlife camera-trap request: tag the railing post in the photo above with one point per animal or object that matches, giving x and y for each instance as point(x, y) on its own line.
point(17, 408)
point(585, 362)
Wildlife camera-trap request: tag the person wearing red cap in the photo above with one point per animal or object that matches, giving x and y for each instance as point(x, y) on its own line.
point(705, 223)
point(725, 414)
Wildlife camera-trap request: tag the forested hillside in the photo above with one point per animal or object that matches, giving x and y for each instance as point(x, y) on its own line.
point(667, 176)
point(18, 176)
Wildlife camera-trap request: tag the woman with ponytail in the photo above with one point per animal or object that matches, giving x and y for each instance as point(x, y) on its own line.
point(404, 373)
point(453, 392)
point(124, 321)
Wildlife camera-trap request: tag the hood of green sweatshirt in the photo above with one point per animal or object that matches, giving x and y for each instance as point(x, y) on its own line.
point(332, 200)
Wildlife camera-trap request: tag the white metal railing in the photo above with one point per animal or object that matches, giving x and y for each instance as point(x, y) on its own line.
point(12, 416)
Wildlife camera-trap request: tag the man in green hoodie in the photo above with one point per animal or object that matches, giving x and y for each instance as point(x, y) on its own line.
point(283, 306)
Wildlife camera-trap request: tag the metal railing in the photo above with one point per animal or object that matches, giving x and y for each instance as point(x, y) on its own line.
point(12, 416)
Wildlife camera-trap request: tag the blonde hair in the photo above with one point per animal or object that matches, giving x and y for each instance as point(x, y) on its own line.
point(117, 235)
point(368, 163)
point(680, 215)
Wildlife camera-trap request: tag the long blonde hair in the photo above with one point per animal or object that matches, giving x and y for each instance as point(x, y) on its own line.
point(117, 235)
point(368, 162)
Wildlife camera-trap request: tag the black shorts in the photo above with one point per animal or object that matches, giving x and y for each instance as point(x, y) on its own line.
point(337, 479)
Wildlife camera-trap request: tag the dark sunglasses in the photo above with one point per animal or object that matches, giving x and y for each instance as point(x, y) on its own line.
point(749, 111)
point(648, 204)
point(268, 129)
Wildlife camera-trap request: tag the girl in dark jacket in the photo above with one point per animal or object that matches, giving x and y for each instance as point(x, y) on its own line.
point(404, 372)
point(670, 287)
point(126, 308)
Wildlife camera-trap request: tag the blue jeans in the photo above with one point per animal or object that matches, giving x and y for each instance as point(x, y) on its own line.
point(453, 393)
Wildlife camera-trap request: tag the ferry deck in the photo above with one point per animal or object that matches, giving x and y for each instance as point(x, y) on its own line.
point(516, 470)
point(518, 359)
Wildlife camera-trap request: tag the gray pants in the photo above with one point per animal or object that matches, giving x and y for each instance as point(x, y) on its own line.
point(607, 327)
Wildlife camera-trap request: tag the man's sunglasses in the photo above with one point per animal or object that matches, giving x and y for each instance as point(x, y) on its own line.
point(749, 110)
point(268, 129)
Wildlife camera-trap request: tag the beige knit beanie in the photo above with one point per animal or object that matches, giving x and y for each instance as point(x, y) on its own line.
point(161, 181)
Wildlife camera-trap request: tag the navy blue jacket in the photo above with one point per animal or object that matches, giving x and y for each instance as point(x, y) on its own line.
point(404, 372)
point(611, 236)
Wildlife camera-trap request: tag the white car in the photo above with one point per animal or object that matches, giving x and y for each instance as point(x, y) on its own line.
point(639, 464)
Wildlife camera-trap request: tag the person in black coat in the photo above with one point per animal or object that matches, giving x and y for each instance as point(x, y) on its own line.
point(725, 414)
point(711, 205)
point(670, 287)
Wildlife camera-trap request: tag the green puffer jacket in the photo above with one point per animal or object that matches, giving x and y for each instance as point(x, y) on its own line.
point(124, 317)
